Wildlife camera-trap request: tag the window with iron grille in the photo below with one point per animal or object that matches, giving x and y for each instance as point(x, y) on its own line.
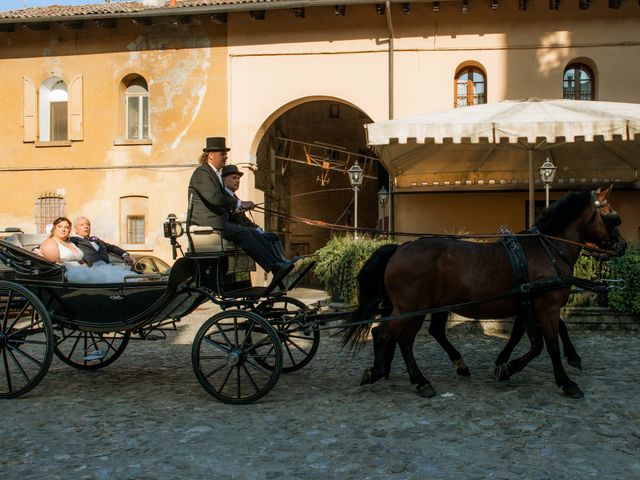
point(135, 228)
point(48, 207)
point(578, 82)
point(471, 87)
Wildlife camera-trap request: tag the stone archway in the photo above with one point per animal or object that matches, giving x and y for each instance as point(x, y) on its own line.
point(324, 126)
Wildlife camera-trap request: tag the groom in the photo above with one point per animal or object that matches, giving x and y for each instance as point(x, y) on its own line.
point(94, 249)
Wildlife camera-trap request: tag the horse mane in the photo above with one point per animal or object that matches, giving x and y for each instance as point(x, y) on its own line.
point(555, 218)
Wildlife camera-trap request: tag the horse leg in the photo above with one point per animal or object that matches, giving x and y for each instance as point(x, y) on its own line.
point(406, 339)
point(384, 346)
point(438, 330)
point(568, 386)
point(569, 350)
point(536, 345)
point(501, 370)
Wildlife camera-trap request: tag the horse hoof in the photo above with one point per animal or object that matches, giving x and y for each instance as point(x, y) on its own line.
point(426, 390)
point(366, 377)
point(502, 372)
point(575, 363)
point(573, 392)
point(461, 368)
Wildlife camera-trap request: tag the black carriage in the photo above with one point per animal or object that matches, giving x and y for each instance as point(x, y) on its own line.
point(237, 354)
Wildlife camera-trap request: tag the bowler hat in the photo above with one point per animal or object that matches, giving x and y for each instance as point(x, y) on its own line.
point(230, 169)
point(216, 144)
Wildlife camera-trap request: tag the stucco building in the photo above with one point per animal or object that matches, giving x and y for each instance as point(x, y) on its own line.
point(106, 107)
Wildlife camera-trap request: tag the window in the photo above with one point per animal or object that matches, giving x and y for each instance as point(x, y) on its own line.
point(135, 229)
point(470, 87)
point(578, 82)
point(137, 109)
point(134, 211)
point(54, 101)
point(48, 207)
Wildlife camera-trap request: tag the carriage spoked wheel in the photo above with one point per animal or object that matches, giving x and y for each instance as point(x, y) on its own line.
point(89, 350)
point(229, 353)
point(300, 339)
point(26, 340)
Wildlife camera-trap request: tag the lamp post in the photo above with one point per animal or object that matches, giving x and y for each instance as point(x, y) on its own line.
point(547, 174)
point(355, 178)
point(383, 196)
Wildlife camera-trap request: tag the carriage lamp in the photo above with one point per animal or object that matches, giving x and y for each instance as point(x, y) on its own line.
point(355, 178)
point(547, 174)
point(383, 196)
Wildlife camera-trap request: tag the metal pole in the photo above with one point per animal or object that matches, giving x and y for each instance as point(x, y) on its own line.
point(546, 195)
point(355, 208)
point(532, 182)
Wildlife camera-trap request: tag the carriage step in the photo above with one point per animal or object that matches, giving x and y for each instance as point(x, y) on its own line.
point(96, 355)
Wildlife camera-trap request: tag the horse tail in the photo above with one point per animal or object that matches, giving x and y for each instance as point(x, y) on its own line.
point(372, 292)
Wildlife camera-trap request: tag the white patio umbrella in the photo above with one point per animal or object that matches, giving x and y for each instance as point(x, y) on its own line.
point(502, 143)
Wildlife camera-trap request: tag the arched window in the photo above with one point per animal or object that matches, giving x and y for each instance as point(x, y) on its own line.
point(54, 110)
point(137, 108)
point(471, 86)
point(578, 82)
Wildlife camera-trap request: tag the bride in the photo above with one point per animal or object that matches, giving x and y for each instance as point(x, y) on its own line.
point(57, 248)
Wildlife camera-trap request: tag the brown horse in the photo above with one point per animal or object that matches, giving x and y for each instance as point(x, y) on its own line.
point(477, 279)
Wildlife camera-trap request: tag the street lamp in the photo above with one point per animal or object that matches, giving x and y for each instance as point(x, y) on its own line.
point(383, 196)
point(355, 178)
point(547, 174)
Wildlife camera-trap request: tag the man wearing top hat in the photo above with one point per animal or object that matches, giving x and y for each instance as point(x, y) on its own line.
point(212, 205)
point(231, 180)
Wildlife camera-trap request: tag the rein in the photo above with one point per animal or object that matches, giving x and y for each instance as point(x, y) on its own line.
point(376, 232)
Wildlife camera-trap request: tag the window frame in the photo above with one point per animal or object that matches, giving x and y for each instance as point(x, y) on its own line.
point(469, 69)
point(580, 67)
point(138, 96)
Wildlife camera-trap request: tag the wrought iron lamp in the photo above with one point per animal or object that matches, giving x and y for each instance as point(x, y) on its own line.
point(355, 178)
point(383, 197)
point(547, 174)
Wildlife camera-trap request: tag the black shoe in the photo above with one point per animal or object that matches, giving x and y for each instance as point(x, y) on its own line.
point(278, 267)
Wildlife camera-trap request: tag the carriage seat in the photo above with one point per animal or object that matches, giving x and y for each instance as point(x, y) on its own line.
point(207, 239)
point(27, 241)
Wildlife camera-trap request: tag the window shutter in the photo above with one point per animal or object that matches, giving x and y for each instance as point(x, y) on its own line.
point(29, 111)
point(75, 109)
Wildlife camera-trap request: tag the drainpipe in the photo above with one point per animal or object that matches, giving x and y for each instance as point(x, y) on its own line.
point(391, 114)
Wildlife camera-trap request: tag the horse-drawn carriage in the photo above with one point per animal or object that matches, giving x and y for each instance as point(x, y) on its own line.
point(237, 355)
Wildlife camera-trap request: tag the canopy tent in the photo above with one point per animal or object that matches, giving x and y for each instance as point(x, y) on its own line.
point(502, 143)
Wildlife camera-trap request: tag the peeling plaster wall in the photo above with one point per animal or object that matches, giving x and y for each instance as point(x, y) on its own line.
point(185, 69)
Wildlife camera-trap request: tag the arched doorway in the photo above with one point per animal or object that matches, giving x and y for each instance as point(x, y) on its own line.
point(302, 158)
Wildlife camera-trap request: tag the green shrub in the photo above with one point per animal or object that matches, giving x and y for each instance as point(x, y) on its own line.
point(340, 261)
point(589, 268)
point(627, 267)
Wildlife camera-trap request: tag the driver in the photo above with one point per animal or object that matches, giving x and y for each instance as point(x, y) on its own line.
point(211, 206)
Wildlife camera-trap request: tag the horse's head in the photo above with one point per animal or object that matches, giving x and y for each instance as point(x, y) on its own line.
point(601, 227)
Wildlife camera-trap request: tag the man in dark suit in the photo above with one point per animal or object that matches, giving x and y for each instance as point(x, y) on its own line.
point(94, 249)
point(211, 206)
point(231, 179)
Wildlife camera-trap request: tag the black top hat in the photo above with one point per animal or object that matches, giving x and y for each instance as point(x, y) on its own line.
point(216, 144)
point(230, 169)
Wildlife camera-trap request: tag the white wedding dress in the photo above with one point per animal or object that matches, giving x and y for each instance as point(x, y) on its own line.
point(100, 273)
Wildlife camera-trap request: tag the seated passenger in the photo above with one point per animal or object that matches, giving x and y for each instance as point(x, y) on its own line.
point(94, 249)
point(231, 178)
point(59, 249)
point(211, 206)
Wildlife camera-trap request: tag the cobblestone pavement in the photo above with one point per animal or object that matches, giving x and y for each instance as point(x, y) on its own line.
point(146, 417)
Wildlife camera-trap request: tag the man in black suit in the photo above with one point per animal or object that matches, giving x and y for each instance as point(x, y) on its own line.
point(211, 206)
point(231, 179)
point(94, 249)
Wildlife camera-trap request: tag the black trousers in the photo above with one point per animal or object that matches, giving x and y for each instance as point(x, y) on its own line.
point(252, 242)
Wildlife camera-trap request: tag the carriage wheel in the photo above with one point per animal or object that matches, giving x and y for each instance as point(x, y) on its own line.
point(227, 356)
point(89, 350)
point(300, 340)
point(26, 340)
